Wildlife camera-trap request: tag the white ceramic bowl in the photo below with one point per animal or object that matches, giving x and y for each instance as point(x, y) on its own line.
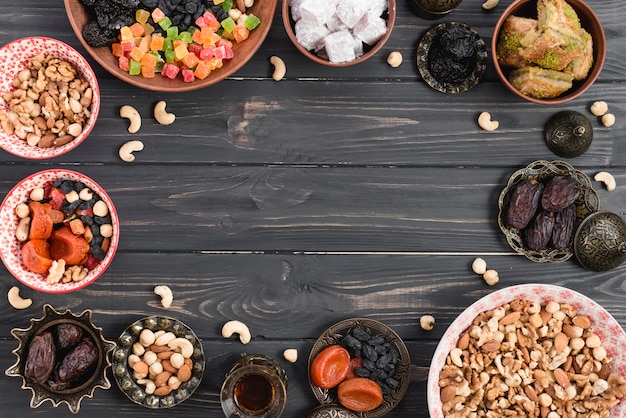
point(10, 247)
point(14, 57)
point(604, 325)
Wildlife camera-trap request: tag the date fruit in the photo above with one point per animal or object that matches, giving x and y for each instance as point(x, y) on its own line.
point(559, 193)
point(538, 233)
point(41, 358)
point(563, 227)
point(77, 362)
point(68, 335)
point(524, 203)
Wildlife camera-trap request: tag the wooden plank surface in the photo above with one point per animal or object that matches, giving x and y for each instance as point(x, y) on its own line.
point(332, 194)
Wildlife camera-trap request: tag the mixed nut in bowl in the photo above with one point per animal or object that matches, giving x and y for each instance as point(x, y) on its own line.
point(542, 207)
point(50, 99)
point(360, 364)
point(451, 57)
point(62, 358)
point(158, 362)
point(60, 231)
point(171, 46)
point(530, 350)
point(339, 34)
point(548, 51)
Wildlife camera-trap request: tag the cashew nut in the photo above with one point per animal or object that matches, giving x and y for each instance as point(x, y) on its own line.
point(182, 345)
point(279, 68)
point(16, 300)
point(608, 119)
point(236, 327)
point(161, 115)
point(485, 122)
point(490, 4)
point(166, 295)
point(599, 108)
point(126, 150)
point(394, 59)
point(479, 266)
point(427, 322)
point(133, 116)
point(291, 355)
point(606, 178)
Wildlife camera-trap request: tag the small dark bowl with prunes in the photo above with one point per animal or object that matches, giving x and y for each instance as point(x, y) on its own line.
point(61, 358)
point(451, 57)
point(542, 207)
point(376, 353)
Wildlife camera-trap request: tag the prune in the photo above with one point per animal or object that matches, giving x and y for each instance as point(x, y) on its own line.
point(352, 344)
point(77, 362)
point(524, 203)
point(559, 193)
point(538, 233)
point(361, 334)
point(369, 352)
point(362, 372)
point(41, 358)
point(563, 227)
point(452, 56)
point(68, 335)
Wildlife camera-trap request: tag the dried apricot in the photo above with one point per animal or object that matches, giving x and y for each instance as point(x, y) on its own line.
point(360, 394)
point(36, 255)
point(330, 367)
point(65, 245)
point(41, 220)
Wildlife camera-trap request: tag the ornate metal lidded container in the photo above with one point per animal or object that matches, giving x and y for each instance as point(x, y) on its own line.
point(330, 411)
point(432, 9)
point(568, 133)
point(600, 241)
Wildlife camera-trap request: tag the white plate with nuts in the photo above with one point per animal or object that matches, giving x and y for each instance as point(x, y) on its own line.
point(530, 350)
point(50, 98)
point(158, 362)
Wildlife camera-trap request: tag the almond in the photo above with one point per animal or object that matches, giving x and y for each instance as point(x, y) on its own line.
point(168, 366)
point(582, 321)
point(184, 373)
point(158, 348)
point(545, 316)
point(511, 318)
point(463, 341)
point(561, 377)
point(531, 393)
point(447, 394)
point(163, 390)
point(568, 330)
point(560, 342)
point(491, 346)
point(165, 355)
point(141, 367)
point(162, 378)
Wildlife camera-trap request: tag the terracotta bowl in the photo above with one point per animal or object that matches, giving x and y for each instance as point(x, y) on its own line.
point(14, 57)
point(335, 334)
point(79, 17)
point(368, 52)
point(603, 324)
point(11, 248)
point(83, 387)
point(124, 375)
point(589, 21)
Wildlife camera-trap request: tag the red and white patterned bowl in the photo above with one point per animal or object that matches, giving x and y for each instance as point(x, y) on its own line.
point(10, 247)
point(14, 57)
point(605, 326)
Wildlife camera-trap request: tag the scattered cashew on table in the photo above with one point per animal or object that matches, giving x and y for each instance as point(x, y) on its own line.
point(133, 117)
point(280, 69)
point(16, 300)
point(126, 150)
point(161, 115)
point(236, 327)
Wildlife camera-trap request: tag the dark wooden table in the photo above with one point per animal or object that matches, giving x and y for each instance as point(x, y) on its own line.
point(334, 193)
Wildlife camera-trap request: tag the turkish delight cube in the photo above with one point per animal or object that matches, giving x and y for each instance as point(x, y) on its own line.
point(370, 28)
point(377, 7)
point(310, 35)
point(351, 11)
point(317, 11)
point(340, 46)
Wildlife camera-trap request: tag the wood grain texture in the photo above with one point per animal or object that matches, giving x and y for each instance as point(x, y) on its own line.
point(334, 193)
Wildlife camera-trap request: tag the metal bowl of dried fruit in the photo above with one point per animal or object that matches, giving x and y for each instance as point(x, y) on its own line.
point(51, 244)
point(586, 355)
point(534, 179)
point(158, 362)
point(375, 364)
point(62, 358)
point(209, 57)
point(32, 125)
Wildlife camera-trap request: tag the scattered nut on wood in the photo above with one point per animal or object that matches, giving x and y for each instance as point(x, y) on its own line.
point(490, 4)
point(16, 300)
point(479, 266)
point(599, 108)
point(280, 69)
point(491, 277)
point(167, 297)
point(291, 355)
point(427, 322)
point(394, 59)
point(485, 122)
point(161, 115)
point(133, 117)
point(126, 150)
point(608, 119)
point(237, 327)
point(606, 178)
